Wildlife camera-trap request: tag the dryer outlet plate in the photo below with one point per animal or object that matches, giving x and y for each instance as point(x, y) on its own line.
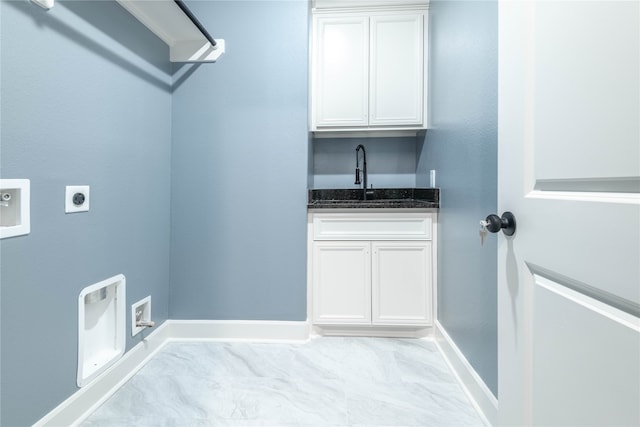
point(69, 205)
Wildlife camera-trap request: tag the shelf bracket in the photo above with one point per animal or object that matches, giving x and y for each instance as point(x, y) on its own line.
point(174, 24)
point(45, 4)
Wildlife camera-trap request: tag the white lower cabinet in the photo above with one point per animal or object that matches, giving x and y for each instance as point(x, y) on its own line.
point(377, 269)
point(401, 283)
point(342, 272)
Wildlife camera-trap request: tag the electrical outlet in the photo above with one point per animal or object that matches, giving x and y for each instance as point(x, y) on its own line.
point(76, 198)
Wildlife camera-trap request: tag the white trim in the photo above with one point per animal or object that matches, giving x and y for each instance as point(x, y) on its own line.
point(86, 400)
point(578, 196)
point(366, 132)
point(379, 331)
point(82, 403)
point(239, 330)
point(319, 6)
point(481, 397)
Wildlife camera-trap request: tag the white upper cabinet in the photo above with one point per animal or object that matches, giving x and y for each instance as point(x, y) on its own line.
point(368, 69)
point(342, 70)
point(396, 70)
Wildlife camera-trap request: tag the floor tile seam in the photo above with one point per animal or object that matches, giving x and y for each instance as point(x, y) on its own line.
point(427, 382)
point(342, 380)
point(467, 410)
point(223, 378)
point(399, 382)
point(226, 421)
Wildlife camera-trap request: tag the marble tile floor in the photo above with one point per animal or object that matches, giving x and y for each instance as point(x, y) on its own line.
point(328, 382)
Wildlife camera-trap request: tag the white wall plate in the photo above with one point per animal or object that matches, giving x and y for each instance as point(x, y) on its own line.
point(69, 205)
point(15, 207)
point(144, 305)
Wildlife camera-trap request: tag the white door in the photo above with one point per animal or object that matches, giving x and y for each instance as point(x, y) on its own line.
point(569, 169)
point(341, 71)
point(397, 49)
point(401, 283)
point(342, 282)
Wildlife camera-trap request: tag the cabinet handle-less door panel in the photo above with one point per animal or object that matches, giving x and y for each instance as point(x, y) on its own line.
point(401, 283)
point(372, 227)
point(342, 71)
point(342, 283)
point(397, 62)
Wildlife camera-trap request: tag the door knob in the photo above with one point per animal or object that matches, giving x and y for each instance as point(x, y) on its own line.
point(507, 223)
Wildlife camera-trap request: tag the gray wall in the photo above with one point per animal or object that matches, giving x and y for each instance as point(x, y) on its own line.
point(461, 145)
point(240, 167)
point(85, 100)
point(391, 162)
point(88, 97)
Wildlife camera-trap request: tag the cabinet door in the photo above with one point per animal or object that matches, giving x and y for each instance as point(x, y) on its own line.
point(341, 61)
point(397, 69)
point(342, 283)
point(401, 283)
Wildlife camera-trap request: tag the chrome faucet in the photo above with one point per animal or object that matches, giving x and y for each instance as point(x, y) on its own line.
point(365, 191)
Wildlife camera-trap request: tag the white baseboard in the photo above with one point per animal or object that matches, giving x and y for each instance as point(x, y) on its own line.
point(373, 331)
point(83, 402)
point(241, 330)
point(481, 397)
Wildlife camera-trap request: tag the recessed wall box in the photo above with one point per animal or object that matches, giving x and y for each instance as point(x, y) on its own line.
point(141, 315)
point(15, 215)
point(101, 327)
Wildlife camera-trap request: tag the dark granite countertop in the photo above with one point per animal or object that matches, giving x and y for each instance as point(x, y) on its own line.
point(411, 198)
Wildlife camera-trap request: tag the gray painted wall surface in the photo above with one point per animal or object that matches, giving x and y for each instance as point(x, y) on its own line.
point(85, 100)
point(391, 162)
point(461, 145)
point(240, 167)
point(238, 172)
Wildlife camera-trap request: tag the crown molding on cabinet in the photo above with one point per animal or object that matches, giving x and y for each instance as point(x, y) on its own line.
point(320, 5)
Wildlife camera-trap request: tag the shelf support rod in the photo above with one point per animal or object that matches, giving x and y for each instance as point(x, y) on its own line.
point(195, 21)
